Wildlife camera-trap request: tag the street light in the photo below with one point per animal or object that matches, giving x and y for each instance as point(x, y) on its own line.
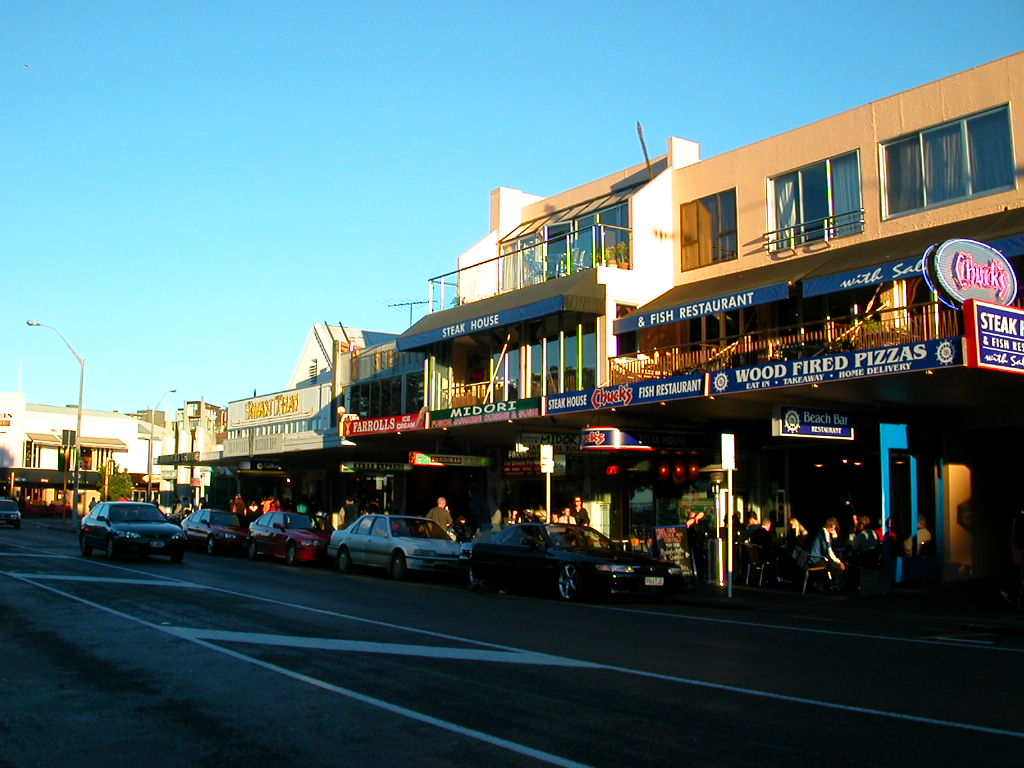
point(152, 425)
point(78, 428)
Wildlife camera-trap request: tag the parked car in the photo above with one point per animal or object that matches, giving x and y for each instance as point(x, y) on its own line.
point(215, 531)
point(398, 543)
point(290, 535)
point(10, 514)
point(571, 561)
point(129, 527)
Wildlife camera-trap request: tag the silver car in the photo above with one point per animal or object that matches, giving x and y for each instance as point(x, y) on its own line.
point(9, 513)
point(397, 543)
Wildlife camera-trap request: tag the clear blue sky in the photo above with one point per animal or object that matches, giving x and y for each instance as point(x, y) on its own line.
point(188, 187)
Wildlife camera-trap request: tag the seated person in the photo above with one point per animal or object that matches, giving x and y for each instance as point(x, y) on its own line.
point(823, 553)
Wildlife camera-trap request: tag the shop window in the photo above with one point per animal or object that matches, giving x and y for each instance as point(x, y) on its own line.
point(954, 161)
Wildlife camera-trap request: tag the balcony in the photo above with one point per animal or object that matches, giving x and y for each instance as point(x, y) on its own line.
point(828, 228)
point(921, 322)
point(529, 261)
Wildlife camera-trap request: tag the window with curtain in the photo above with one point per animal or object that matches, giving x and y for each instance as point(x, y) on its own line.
point(818, 202)
point(954, 161)
point(709, 230)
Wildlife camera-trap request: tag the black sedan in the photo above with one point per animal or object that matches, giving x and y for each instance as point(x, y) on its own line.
point(572, 560)
point(129, 527)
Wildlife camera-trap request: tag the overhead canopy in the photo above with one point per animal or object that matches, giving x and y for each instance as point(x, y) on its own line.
point(899, 257)
point(44, 438)
point(718, 294)
point(574, 293)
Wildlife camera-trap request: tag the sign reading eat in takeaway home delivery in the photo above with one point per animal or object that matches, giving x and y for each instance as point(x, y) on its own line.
point(995, 336)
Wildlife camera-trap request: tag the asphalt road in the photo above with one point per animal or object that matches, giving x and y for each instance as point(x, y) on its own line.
point(220, 662)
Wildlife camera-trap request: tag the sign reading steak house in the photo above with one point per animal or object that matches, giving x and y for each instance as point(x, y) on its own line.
point(486, 412)
point(634, 393)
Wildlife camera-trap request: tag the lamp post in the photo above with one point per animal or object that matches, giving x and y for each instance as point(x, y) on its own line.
point(152, 427)
point(78, 428)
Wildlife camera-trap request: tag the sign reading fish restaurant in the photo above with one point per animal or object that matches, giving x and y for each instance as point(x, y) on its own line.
point(919, 356)
point(636, 393)
point(995, 336)
point(488, 412)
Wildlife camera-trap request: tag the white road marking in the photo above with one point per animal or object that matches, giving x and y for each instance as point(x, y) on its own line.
point(397, 649)
point(108, 580)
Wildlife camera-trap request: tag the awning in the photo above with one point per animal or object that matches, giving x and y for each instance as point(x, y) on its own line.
point(724, 293)
point(899, 258)
point(89, 479)
point(574, 293)
point(48, 438)
point(44, 438)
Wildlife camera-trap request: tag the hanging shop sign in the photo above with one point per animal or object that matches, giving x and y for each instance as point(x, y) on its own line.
point(519, 465)
point(995, 336)
point(959, 270)
point(562, 442)
point(795, 421)
point(407, 422)
point(610, 439)
point(635, 393)
point(903, 358)
point(418, 459)
point(488, 412)
point(386, 467)
point(882, 273)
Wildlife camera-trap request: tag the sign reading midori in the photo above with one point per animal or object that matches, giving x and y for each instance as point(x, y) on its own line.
point(486, 412)
point(919, 356)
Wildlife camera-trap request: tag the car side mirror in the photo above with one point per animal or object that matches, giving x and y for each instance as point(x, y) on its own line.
point(102, 519)
point(279, 526)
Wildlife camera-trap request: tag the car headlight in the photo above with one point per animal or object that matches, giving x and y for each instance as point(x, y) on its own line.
point(423, 553)
point(228, 536)
point(615, 568)
point(675, 570)
point(311, 544)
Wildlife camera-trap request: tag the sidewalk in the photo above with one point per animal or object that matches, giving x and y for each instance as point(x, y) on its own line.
point(975, 605)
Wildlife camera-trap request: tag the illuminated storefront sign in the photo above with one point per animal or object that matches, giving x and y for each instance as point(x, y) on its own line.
point(959, 270)
point(387, 467)
point(418, 459)
point(995, 336)
point(488, 412)
point(383, 425)
point(794, 421)
point(839, 366)
point(610, 439)
point(636, 393)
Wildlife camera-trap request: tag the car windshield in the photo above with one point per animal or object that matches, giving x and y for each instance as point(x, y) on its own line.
point(136, 513)
point(300, 522)
point(224, 518)
point(577, 536)
point(8, 505)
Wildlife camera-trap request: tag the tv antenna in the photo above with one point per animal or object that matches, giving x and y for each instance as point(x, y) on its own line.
point(643, 146)
point(410, 305)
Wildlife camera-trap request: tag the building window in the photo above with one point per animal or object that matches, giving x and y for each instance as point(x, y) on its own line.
point(950, 162)
point(709, 230)
point(819, 202)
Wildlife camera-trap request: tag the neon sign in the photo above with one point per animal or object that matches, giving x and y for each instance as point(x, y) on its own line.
point(959, 270)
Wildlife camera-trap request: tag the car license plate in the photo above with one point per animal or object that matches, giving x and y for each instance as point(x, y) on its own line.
point(156, 544)
point(654, 581)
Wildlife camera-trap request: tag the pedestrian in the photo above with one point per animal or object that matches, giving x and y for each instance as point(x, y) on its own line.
point(479, 512)
point(579, 511)
point(440, 514)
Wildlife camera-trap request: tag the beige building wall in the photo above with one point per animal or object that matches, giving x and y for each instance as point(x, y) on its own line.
point(750, 168)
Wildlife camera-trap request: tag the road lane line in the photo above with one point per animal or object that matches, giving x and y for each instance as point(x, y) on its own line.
point(106, 580)
point(554, 759)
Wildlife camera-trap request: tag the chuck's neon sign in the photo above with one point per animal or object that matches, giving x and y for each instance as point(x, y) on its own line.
point(959, 270)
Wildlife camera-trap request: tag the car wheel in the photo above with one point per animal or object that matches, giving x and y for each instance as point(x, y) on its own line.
point(177, 556)
point(399, 570)
point(111, 551)
point(84, 548)
point(250, 551)
point(211, 546)
point(344, 560)
point(291, 556)
point(570, 582)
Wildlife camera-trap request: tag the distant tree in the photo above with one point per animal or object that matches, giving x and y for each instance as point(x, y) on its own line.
point(119, 486)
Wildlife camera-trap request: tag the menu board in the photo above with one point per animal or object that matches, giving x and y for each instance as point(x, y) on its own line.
point(673, 544)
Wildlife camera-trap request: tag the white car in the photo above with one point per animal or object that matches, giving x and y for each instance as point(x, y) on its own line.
point(397, 543)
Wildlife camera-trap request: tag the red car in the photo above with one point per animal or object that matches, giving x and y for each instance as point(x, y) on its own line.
point(215, 531)
point(290, 535)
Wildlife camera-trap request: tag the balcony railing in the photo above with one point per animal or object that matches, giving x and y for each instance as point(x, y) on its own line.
point(529, 263)
point(921, 322)
point(828, 228)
